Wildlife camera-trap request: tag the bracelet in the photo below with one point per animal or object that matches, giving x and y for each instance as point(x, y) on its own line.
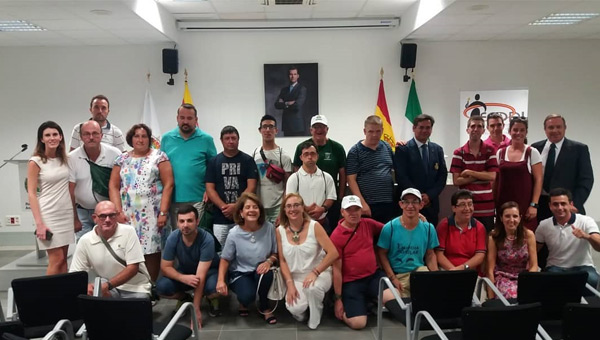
point(269, 261)
point(289, 280)
point(109, 285)
point(337, 297)
point(273, 257)
point(316, 272)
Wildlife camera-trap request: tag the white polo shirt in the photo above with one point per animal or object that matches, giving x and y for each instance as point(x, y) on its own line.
point(91, 253)
point(79, 173)
point(566, 250)
point(314, 188)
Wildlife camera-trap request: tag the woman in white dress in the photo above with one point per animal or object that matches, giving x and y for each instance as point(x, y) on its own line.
point(52, 205)
point(306, 254)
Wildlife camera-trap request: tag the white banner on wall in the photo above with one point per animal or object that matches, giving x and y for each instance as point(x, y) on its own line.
point(507, 103)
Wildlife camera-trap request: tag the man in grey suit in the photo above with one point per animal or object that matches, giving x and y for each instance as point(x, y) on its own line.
point(420, 164)
point(291, 100)
point(566, 164)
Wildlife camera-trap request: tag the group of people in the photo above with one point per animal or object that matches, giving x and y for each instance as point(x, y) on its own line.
point(513, 198)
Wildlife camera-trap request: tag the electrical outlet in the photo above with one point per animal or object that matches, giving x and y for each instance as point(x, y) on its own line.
point(13, 220)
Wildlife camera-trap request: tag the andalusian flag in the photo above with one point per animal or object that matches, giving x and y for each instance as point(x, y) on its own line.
point(413, 107)
point(382, 112)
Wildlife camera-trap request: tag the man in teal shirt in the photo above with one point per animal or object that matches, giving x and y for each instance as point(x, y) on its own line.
point(189, 149)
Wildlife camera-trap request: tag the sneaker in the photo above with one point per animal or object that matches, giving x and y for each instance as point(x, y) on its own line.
point(213, 307)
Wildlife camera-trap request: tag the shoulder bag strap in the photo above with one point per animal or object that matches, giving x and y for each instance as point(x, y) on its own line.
point(120, 260)
point(262, 154)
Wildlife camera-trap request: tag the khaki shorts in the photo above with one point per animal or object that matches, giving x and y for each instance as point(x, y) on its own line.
point(404, 279)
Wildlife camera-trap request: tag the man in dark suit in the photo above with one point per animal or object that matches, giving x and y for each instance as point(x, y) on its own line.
point(291, 100)
point(420, 164)
point(571, 168)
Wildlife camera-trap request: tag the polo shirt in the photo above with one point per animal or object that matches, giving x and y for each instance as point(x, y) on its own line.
point(505, 142)
point(459, 246)
point(314, 188)
point(373, 170)
point(111, 135)
point(355, 247)
point(79, 173)
point(485, 160)
point(332, 158)
point(201, 250)
point(565, 250)
point(91, 253)
point(188, 158)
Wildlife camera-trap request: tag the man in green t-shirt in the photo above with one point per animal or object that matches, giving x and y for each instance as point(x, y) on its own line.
point(332, 160)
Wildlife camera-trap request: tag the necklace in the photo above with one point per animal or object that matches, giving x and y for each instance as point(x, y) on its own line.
point(296, 236)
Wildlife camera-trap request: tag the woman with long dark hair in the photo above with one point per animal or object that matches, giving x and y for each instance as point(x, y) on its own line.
point(511, 250)
point(51, 204)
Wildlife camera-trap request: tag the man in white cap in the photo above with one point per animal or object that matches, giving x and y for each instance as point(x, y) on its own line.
point(407, 243)
point(332, 160)
point(355, 273)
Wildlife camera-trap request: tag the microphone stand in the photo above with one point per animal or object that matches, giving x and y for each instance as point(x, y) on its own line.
point(13, 157)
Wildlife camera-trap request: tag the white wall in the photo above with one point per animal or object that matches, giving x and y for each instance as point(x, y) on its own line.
point(226, 82)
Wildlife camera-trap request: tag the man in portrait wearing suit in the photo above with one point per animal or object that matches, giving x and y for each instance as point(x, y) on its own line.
point(291, 100)
point(570, 169)
point(420, 164)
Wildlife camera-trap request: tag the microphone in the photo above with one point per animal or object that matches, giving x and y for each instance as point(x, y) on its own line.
point(23, 148)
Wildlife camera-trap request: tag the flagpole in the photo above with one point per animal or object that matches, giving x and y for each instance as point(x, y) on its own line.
point(381, 73)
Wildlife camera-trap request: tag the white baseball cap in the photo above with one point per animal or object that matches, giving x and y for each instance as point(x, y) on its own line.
point(411, 191)
point(351, 200)
point(318, 119)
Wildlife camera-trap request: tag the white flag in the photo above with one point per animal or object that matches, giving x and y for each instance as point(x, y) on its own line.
point(149, 118)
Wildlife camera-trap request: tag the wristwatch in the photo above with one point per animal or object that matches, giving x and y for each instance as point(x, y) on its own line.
point(162, 213)
point(466, 266)
point(110, 286)
point(535, 205)
point(337, 297)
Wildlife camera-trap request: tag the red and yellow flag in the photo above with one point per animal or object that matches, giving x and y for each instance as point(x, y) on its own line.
point(187, 97)
point(381, 110)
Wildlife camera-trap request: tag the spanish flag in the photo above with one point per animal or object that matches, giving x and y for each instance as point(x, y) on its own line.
point(382, 112)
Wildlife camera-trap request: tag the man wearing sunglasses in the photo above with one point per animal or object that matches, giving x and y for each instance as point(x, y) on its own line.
point(114, 252)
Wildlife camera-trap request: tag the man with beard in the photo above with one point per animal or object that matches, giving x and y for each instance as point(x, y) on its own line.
point(189, 150)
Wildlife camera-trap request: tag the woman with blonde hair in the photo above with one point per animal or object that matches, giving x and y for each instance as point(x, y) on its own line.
point(306, 256)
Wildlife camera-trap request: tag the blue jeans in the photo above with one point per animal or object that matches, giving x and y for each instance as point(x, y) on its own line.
point(244, 286)
point(592, 279)
point(87, 223)
point(168, 287)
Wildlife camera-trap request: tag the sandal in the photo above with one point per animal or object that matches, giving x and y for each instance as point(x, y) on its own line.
point(271, 320)
point(243, 312)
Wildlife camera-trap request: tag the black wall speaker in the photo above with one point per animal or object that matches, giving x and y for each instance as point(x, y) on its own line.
point(408, 56)
point(170, 61)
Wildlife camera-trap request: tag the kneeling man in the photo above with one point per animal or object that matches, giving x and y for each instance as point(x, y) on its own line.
point(355, 273)
point(407, 244)
point(568, 236)
point(114, 252)
point(198, 263)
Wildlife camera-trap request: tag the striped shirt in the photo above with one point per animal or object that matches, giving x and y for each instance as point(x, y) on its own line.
point(111, 135)
point(485, 160)
point(373, 170)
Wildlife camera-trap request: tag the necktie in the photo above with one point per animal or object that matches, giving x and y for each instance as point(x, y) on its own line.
point(549, 169)
point(291, 88)
point(425, 157)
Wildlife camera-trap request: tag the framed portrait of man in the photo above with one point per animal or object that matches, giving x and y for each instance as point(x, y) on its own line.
point(292, 96)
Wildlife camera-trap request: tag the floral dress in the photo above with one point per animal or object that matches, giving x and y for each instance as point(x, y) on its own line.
point(141, 192)
point(510, 261)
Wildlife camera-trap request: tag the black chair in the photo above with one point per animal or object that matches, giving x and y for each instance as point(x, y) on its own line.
point(494, 323)
point(131, 319)
point(41, 302)
point(579, 321)
point(443, 294)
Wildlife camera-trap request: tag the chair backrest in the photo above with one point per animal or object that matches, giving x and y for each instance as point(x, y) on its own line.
point(552, 290)
point(116, 318)
point(44, 300)
point(443, 293)
point(500, 323)
point(579, 321)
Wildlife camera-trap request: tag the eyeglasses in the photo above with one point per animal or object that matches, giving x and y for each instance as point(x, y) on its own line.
point(411, 202)
point(104, 216)
point(293, 206)
point(268, 127)
point(464, 205)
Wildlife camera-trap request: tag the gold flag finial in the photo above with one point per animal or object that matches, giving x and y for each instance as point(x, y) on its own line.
point(381, 73)
point(186, 74)
point(148, 76)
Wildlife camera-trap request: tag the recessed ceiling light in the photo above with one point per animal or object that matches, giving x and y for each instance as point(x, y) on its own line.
point(563, 19)
point(479, 7)
point(101, 12)
point(19, 26)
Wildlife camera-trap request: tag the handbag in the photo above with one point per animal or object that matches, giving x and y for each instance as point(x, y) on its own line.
point(274, 172)
point(276, 291)
point(153, 292)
